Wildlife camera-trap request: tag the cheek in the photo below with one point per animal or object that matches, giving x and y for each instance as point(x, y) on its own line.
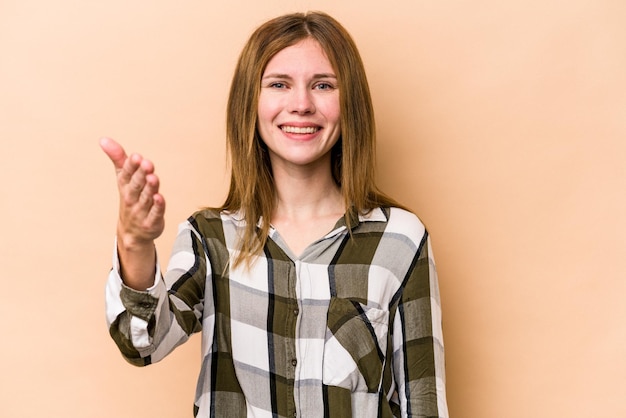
point(268, 108)
point(262, 111)
point(265, 118)
point(332, 111)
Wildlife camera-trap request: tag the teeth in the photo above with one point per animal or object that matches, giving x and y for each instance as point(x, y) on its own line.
point(298, 130)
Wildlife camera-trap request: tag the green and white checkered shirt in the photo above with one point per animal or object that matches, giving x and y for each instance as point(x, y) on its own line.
point(351, 328)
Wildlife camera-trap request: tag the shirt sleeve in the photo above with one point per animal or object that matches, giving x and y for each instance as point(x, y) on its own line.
point(148, 325)
point(418, 341)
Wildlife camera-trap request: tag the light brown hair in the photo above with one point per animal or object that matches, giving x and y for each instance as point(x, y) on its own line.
point(252, 191)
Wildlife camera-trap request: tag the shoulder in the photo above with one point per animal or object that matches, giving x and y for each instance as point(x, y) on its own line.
point(393, 223)
point(213, 221)
point(215, 215)
point(406, 223)
point(399, 217)
point(205, 216)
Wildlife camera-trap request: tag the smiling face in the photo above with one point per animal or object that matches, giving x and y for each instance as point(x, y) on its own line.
point(298, 112)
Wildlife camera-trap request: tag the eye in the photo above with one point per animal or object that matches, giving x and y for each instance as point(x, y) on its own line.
point(278, 85)
point(324, 86)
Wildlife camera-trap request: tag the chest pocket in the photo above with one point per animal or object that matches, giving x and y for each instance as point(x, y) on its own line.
point(355, 346)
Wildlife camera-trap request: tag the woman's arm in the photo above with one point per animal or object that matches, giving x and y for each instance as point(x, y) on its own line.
point(418, 341)
point(141, 215)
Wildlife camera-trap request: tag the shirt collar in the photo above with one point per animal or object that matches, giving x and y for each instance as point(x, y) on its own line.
point(375, 215)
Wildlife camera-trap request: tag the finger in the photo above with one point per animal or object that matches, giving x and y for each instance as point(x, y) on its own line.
point(132, 180)
point(132, 177)
point(156, 215)
point(114, 151)
point(125, 174)
point(149, 190)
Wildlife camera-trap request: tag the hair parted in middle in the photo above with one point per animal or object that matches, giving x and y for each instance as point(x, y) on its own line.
point(252, 190)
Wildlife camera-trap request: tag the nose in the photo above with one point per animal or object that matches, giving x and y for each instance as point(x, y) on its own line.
point(301, 101)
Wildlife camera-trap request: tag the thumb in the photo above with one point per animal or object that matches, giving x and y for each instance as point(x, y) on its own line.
point(114, 151)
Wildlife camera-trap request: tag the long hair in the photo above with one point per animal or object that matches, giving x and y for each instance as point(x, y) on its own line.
point(252, 191)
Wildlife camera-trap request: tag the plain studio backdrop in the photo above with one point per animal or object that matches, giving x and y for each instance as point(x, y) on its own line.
point(502, 124)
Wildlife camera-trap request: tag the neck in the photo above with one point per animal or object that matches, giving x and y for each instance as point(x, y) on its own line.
point(306, 194)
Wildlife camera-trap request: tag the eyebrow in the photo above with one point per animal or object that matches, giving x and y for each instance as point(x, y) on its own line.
point(288, 77)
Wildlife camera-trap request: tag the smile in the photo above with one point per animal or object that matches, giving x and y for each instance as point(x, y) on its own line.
point(299, 130)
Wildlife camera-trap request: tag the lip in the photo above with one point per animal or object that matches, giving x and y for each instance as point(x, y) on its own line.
point(299, 126)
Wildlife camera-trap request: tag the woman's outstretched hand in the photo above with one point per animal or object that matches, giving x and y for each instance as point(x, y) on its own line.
point(141, 214)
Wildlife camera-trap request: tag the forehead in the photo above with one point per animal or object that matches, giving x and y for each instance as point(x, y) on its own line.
point(304, 56)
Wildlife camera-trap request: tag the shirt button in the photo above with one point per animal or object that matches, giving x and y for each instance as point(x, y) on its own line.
point(294, 362)
point(296, 312)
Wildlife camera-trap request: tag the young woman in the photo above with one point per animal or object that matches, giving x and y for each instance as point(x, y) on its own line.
point(315, 293)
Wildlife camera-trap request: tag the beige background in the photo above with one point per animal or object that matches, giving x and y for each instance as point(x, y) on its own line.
point(502, 124)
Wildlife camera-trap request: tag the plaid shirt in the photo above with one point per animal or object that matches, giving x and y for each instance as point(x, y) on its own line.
point(351, 328)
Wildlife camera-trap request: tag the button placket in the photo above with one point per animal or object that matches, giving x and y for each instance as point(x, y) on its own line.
point(297, 288)
point(290, 348)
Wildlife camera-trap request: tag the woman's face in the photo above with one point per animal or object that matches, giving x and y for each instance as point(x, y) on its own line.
point(298, 114)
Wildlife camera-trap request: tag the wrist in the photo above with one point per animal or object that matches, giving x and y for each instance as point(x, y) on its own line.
point(131, 243)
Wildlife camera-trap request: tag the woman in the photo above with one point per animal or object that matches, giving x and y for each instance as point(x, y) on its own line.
point(315, 293)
